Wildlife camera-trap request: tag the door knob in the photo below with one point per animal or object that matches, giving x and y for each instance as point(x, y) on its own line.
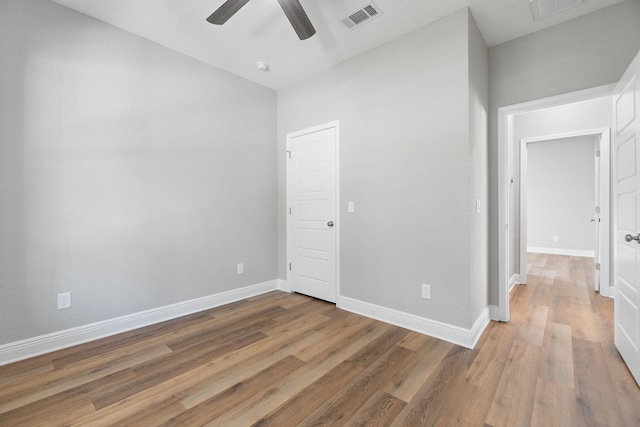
point(629, 238)
point(593, 220)
point(330, 224)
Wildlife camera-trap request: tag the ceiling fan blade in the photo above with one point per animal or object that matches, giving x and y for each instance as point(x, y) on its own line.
point(226, 11)
point(298, 18)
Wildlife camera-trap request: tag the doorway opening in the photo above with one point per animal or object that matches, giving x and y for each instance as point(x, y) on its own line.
point(571, 177)
point(508, 142)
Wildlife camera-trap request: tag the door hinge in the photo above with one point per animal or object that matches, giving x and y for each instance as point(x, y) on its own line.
point(597, 153)
point(597, 266)
point(289, 211)
point(289, 153)
point(289, 266)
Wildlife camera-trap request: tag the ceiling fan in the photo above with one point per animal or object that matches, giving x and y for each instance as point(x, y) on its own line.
point(292, 8)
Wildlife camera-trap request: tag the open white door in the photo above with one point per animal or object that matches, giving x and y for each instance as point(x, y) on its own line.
point(626, 190)
point(312, 216)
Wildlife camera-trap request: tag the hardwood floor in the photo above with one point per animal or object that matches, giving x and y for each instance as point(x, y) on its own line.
point(288, 360)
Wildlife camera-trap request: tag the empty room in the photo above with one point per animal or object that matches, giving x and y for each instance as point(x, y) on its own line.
point(299, 213)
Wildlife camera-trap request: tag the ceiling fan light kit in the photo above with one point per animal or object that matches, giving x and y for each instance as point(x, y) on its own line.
point(292, 9)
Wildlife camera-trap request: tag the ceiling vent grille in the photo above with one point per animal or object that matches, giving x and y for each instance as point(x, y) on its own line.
point(544, 8)
point(360, 16)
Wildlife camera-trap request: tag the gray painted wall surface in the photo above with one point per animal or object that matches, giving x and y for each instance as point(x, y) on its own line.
point(136, 177)
point(478, 135)
point(130, 175)
point(586, 52)
point(405, 160)
point(561, 193)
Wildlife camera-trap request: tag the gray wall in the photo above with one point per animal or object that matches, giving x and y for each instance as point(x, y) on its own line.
point(135, 177)
point(130, 175)
point(478, 135)
point(561, 194)
point(405, 160)
point(586, 52)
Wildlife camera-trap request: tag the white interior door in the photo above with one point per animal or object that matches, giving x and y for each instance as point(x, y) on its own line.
point(312, 220)
point(626, 167)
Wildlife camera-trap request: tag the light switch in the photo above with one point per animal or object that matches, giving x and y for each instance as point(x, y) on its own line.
point(351, 207)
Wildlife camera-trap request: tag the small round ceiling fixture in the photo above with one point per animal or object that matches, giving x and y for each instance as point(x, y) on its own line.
point(262, 66)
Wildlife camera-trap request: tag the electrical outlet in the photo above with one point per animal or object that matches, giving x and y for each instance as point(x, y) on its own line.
point(64, 300)
point(426, 291)
point(241, 268)
point(555, 238)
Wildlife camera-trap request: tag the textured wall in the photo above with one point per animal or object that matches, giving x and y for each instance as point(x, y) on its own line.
point(561, 194)
point(130, 175)
point(406, 162)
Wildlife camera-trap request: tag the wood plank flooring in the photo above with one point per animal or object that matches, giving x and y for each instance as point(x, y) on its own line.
point(288, 360)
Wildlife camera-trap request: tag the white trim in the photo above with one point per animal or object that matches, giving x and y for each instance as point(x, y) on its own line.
point(505, 121)
point(283, 285)
point(444, 331)
point(494, 313)
point(562, 251)
point(24, 349)
point(336, 124)
point(606, 232)
point(515, 279)
point(524, 218)
point(564, 135)
point(505, 140)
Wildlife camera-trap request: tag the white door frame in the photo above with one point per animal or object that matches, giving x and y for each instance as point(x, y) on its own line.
point(337, 227)
point(506, 143)
point(604, 197)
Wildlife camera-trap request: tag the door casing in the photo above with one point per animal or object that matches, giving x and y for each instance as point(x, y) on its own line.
point(506, 143)
point(604, 196)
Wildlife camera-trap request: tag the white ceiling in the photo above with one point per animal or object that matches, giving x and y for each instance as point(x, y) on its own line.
point(260, 31)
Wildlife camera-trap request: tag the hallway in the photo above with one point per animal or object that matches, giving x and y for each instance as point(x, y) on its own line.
point(558, 319)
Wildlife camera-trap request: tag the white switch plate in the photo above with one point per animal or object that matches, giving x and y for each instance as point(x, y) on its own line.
point(240, 268)
point(64, 300)
point(555, 238)
point(351, 207)
point(477, 206)
point(426, 291)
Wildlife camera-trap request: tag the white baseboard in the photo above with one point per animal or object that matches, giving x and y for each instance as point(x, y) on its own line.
point(283, 285)
point(515, 279)
point(444, 331)
point(494, 313)
point(20, 350)
point(561, 251)
point(494, 310)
